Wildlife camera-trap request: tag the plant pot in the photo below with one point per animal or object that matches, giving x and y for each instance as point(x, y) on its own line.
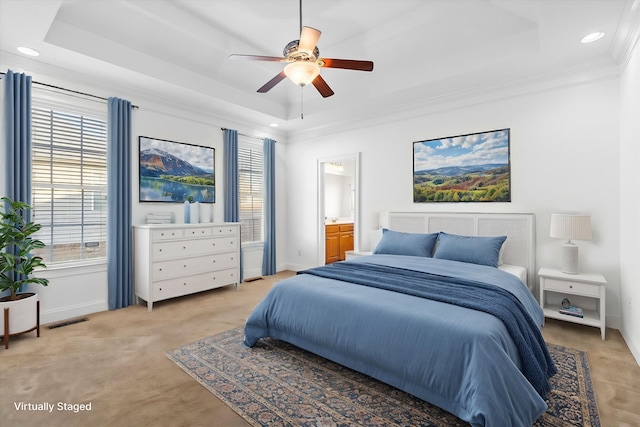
point(19, 316)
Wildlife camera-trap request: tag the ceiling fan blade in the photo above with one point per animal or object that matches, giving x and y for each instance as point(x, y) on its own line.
point(271, 83)
point(308, 39)
point(348, 64)
point(256, 58)
point(322, 87)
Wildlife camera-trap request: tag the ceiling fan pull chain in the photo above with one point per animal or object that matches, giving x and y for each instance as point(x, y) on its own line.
point(301, 101)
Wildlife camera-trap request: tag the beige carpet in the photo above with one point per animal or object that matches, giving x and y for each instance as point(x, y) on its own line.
point(116, 361)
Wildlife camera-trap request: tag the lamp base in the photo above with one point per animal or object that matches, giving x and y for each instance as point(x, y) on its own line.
point(570, 258)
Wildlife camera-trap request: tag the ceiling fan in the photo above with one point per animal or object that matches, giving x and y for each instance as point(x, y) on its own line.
point(303, 62)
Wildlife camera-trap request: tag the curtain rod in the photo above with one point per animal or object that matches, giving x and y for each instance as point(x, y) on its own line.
point(71, 90)
point(245, 135)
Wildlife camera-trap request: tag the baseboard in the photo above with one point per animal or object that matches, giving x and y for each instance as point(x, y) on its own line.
point(249, 274)
point(72, 311)
point(634, 346)
point(297, 267)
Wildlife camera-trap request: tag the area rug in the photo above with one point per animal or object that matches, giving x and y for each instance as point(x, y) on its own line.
point(277, 384)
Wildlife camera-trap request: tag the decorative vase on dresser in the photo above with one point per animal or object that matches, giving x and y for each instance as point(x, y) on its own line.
point(173, 260)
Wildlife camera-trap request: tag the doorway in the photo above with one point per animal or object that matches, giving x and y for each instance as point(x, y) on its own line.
point(338, 197)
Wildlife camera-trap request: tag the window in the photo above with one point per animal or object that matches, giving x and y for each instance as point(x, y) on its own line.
point(69, 182)
point(250, 176)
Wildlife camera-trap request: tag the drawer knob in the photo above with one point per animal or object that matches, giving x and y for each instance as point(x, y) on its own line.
point(184, 247)
point(570, 286)
point(160, 270)
point(185, 266)
point(160, 250)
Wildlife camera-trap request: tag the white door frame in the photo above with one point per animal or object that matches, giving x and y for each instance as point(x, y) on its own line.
point(321, 206)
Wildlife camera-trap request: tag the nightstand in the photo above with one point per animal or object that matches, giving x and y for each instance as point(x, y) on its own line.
point(586, 291)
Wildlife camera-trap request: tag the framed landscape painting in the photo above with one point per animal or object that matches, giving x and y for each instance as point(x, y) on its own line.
point(174, 172)
point(464, 168)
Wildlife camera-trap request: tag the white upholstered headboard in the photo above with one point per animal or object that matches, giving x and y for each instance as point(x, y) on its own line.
point(519, 248)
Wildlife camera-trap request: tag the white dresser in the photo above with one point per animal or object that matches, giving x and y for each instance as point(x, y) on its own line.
point(171, 260)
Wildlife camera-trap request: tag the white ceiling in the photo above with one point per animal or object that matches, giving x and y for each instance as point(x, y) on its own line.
point(177, 51)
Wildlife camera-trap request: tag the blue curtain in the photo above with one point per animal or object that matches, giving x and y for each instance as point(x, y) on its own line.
point(119, 204)
point(17, 138)
point(269, 257)
point(231, 182)
point(231, 203)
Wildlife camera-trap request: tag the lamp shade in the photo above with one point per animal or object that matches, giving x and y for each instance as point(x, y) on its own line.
point(571, 227)
point(302, 72)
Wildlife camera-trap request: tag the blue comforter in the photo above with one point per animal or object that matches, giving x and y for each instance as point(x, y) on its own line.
point(463, 360)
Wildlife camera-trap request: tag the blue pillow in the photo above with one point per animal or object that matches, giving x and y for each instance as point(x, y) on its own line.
point(475, 250)
point(413, 244)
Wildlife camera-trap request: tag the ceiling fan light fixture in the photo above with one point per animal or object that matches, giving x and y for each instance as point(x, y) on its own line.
point(302, 72)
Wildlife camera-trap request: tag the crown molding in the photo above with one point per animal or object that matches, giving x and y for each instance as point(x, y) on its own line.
point(627, 34)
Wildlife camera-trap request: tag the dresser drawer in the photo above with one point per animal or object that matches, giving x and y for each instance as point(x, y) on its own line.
point(187, 248)
point(166, 234)
point(570, 287)
point(198, 232)
point(224, 230)
point(189, 266)
point(172, 288)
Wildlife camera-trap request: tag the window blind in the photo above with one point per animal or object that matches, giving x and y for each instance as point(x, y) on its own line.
point(69, 183)
point(251, 184)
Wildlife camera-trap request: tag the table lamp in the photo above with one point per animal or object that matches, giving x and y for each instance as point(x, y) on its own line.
point(570, 227)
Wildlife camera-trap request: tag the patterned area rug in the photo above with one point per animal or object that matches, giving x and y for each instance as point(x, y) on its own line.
point(277, 384)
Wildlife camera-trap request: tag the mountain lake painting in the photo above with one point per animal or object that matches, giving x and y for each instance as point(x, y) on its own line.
point(174, 172)
point(464, 168)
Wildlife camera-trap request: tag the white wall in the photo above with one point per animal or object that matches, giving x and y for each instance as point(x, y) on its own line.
point(565, 156)
point(630, 202)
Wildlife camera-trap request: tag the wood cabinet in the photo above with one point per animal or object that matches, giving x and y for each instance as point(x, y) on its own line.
point(338, 240)
point(173, 260)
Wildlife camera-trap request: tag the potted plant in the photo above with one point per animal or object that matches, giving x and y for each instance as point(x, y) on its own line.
point(20, 312)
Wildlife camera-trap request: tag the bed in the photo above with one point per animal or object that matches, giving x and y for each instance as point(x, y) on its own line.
point(428, 316)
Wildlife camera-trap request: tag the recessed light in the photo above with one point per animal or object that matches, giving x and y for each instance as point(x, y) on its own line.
point(592, 37)
point(28, 51)
point(274, 125)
